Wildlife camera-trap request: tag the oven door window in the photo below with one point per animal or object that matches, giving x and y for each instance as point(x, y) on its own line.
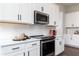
point(48, 48)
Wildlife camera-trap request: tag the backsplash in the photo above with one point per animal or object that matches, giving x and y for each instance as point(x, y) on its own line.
point(9, 31)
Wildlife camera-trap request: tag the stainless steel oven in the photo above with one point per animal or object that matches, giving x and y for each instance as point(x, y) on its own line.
point(47, 47)
point(47, 44)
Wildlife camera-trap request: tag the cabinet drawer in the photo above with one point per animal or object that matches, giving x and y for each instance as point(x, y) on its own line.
point(33, 44)
point(13, 48)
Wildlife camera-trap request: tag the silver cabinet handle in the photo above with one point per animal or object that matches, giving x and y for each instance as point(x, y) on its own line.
point(54, 22)
point(23, 53)
point(15, 48)
point(70, 38)
point(34, 44)
point(18, 16)
point(42, 8)
point(60, 43)
point(28, 53)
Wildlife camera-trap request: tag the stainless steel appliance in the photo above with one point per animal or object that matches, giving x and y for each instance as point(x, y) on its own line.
point(41, 18)
point(47, 45)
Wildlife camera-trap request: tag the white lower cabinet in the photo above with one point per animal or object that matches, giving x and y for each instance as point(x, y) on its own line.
point(34, 52)
point(59, 46)
point(25, 49)
point(33, 48)
point(30, 48)
point(19, 53)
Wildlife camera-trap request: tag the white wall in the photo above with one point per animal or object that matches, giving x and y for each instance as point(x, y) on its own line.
point(9, 31)
point(72, 8)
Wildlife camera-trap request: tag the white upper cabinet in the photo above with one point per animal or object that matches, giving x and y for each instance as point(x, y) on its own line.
point(52, 10)
point(1, 11)
point(27, 12)
point(48, 8)
point(59, 27)
point(54, 14)
point(69, 18)
point(44, 7)
point(72, 19)
point(10, 12)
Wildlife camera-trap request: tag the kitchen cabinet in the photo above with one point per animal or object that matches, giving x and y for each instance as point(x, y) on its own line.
point(54, 14)
point(23, 49)
point(72, 40)
point(59, 42)
point(17, 49)
point(60, 26)
point(1, 11)
point(68, 20)
point(44, 7)
point(10, 12)
point(71, 19)
point(19, 12)
point(52, 10)
point(34, 52)
point(68, 39)
point(59, 45)
point(19, 53)
point(27, 12)
point(33, 48)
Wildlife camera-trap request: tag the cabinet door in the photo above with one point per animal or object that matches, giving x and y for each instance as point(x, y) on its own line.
point(62, 44)
point(50, 9)
point(53, 14)
point(68, 20)
point(43, 7)
point(19, 53)
point(59, 46)
point(34, 51)
point(27, 12)
point(72, 19)
point(60, 26)
point(1, 11)
point(10, 12)
point(56, 14)
point(68, 39)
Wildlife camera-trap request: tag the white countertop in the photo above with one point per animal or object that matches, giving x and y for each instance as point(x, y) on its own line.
point(7, 42)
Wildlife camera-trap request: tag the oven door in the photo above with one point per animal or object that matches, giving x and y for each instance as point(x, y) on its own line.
point(47, 47)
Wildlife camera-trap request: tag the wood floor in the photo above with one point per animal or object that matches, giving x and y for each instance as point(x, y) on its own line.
point(70, 51)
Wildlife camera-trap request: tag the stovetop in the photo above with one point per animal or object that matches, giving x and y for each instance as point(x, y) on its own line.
point(34, 36)
point(42, 37)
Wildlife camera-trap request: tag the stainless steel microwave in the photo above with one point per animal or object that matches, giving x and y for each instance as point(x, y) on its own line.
point(41, 18)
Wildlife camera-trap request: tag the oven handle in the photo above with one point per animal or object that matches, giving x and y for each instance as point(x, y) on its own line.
point(46, 41)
